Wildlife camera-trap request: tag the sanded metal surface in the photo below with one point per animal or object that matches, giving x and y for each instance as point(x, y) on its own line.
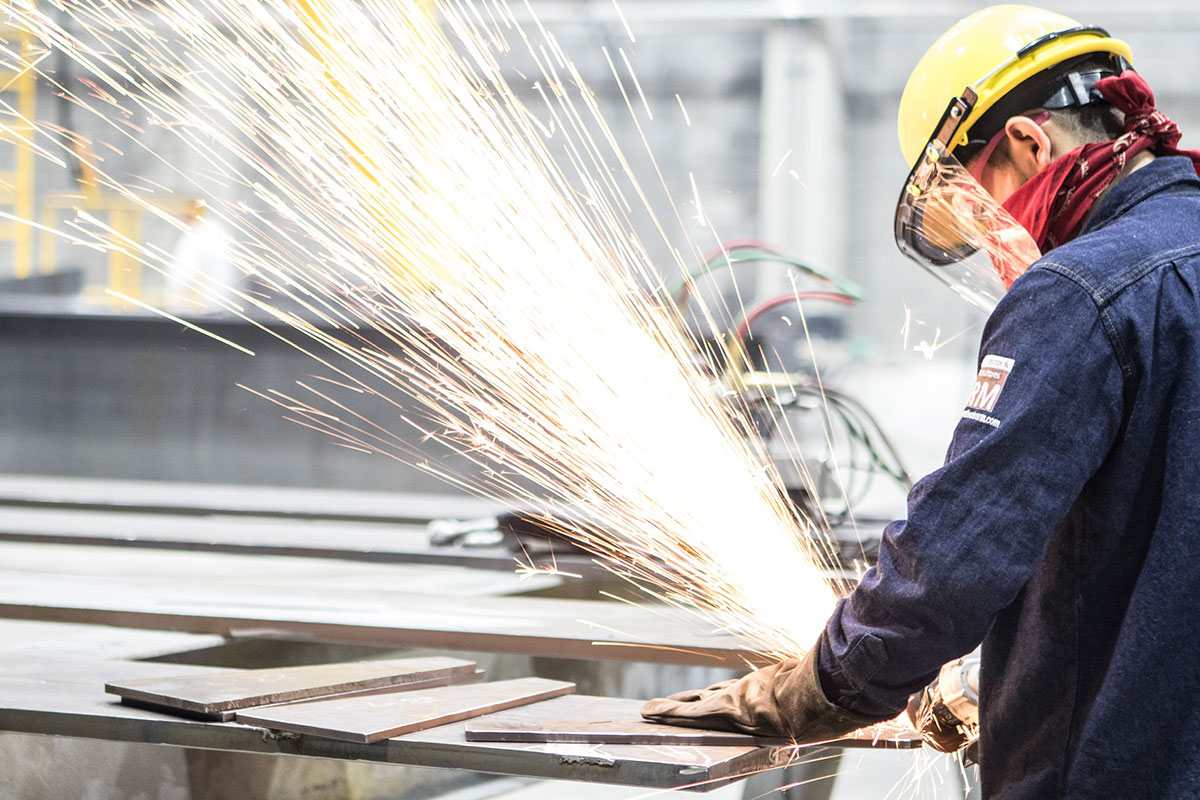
point(618, 721)
point(312, 600)
point(382, 716)
point(226, 716)
point(198, 498)
point(65, 697)
point(398, 542)
point(230, 690)
point(285, 576)
point(33, 639)
point(607, 721)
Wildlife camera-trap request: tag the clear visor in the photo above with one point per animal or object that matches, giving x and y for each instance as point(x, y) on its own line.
point(951, 226)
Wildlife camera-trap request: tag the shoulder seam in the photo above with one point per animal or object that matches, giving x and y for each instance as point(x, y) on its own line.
point(1145, 267)
point(1100, 303)
point(1071, 275)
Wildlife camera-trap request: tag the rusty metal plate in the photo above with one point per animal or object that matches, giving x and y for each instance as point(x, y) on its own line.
point(219, 693)
point(382, 716)
point(65, 697)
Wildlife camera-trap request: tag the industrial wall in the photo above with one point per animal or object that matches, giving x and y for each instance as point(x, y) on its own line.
point(781, 116)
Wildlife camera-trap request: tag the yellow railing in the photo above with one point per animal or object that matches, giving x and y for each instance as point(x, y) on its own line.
point(16, 185)
point(18, 189)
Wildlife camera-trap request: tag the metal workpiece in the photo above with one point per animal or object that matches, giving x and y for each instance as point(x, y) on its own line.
point(226, 691)
point(33, 639)
point(273, 535)
point(65, 697)
point(593, 720)
point(444, 608)
point(198, 499)
point(390, 714)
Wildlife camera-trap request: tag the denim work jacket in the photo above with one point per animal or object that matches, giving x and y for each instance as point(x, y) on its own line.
point(1063, 530)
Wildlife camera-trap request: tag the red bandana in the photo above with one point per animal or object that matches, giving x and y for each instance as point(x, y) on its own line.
point(1052, 204)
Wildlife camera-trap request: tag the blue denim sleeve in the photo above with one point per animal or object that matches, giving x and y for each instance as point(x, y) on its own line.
point(1043, 414)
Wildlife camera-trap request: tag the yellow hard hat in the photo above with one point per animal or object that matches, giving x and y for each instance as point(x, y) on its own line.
point(992, 51)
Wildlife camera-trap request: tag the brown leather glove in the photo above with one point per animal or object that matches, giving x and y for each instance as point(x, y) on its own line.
point(784, 700)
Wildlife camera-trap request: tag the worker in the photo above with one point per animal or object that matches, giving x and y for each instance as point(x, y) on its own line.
point(1063, 531)
point(201, 277)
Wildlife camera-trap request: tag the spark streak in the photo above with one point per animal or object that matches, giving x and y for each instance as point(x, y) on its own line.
point(191, 326)
point(687, 120)
point(782, 161)
point(407, 203)
point(624, 22)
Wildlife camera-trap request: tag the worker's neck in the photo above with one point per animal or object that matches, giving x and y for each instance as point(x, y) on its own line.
point(1137, 162)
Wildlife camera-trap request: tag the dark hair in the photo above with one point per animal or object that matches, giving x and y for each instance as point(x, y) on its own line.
point(1090, 124)
point(1095, 121)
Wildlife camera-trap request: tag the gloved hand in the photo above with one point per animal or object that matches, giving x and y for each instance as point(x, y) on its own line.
point(784, 700)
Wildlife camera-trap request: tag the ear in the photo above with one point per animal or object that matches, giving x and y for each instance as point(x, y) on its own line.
point(1028, 146)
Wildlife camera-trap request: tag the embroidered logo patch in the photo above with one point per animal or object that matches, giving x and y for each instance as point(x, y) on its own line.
point(993, 372)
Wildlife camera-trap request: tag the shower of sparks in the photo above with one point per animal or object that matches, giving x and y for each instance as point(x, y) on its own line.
point(410, 220)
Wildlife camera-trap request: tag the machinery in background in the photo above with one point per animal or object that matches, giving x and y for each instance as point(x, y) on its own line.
point(778, 361)
point(773, 360)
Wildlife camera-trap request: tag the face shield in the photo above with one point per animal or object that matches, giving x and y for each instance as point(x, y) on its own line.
point(949, 224)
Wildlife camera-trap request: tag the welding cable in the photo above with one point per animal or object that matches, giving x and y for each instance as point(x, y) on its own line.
point(680, 290)
point(856, 439)
point(851, 480)
point(855, 473)
point(861, 425)
point(748, 319)
point(862, 465)
point(866, 428)
point(899, 472)
point(863, 428)
point(739, 244)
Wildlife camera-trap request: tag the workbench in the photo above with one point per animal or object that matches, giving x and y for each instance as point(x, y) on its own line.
point(381, 541)
point(223, 566)
point(54, 685)
point(98, 494)
point(64, 696)
point(393, 605)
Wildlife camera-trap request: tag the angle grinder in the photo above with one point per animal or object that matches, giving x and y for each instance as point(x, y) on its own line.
point(946, 712)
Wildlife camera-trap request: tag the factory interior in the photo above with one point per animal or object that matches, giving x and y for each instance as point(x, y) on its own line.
point(507, 356)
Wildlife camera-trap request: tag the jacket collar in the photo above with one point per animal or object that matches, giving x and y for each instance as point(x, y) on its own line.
point(1160, 173)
